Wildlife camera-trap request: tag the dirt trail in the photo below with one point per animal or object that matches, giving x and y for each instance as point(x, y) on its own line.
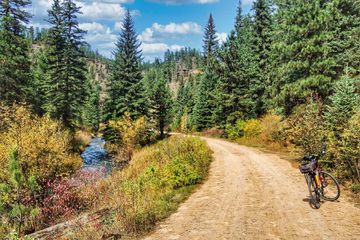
point(253, 195)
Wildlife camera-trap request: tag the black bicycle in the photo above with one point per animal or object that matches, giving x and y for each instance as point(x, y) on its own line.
point(321, 184)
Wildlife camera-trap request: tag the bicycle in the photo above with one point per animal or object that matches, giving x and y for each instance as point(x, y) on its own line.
point(321, 184)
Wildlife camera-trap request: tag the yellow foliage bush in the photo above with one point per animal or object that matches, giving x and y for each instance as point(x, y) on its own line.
point(44, 147)
point(305, 129)
point(129, 134)
point(252, 128)
point(157, 180)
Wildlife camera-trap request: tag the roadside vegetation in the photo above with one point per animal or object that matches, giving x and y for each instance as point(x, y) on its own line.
point(157, 180)
point(275, 81)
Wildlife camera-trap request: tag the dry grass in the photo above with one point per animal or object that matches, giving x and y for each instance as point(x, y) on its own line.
point(81, 140)
point(156, 181)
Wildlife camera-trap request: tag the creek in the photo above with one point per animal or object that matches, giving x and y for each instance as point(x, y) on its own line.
point(96, 157)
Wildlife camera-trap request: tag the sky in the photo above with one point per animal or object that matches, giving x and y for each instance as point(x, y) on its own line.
point(160, 24)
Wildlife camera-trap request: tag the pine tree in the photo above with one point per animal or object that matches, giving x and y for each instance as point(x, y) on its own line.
point(127, 92)
point(343, 104)
point(14, 51)
point(13, 193)
point(239, 18)
point(74, 83)
point(311, 53)
point(201, 116)
point(41, 80)
point(160, 101)
point(262, 27)
point(238, 72)
point(210, 40)
point(66, 92)
point(55, 45)
point(92, 109)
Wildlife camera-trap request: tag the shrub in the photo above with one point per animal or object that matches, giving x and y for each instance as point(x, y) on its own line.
point(14, 194)
point(305, 128)
point(157, 179)
point(355, 188)
point(44, 146)
point(347, 150)
point(252, 128)
point(235, 131)
point(43, 154)
point(59, 202)
point(127, 135)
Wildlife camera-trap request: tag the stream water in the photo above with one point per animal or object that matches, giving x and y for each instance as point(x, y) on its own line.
point(95, 156)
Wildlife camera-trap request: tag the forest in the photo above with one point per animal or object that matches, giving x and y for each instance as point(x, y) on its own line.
point(287, 77)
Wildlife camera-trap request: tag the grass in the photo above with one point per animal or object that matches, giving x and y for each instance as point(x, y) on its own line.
point(156, 181)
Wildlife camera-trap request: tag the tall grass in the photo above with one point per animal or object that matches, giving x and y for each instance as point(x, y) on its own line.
point(157, 180)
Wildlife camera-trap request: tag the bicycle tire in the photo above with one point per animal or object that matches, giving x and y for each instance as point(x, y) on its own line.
point(314, 198)
point(330, 191)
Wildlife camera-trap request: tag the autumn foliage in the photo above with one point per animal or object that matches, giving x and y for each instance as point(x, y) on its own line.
point(44, 146)
point(33, 182)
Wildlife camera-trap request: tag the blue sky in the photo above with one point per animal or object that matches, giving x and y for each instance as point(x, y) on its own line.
point(160, 24)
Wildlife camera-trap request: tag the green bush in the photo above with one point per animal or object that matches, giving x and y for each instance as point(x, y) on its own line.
point(355, 188)
point(346, 150)
point(235, 131)
point(158, 178)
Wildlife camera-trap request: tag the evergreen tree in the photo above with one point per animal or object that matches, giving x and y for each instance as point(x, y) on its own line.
point(205, 98)
point(238, 72)
point(311, 53)
point(343, 104)
point(13, 193)
point(210, 40)
point(262, 28)
point(201, 117)
point(239, 18)
point(14, 51)
point(41, 81)
point(70, 106)
point(55, 45)
point(92, 109)
point(161, 101)
point(127, 92)
point(67, 90)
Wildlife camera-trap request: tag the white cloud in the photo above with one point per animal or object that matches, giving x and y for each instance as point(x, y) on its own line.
point(118, 26)
point(101, 11)
point(94, 28)
point(247, 2)
point(184, 1)
point(158, 48)
point(172, 30)
point(222, 37)
point(92, 10)
point(108, 1)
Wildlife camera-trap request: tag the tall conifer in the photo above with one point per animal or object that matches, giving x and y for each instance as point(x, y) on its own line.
point(211, 42)
point(127, 93)
point(14, 50)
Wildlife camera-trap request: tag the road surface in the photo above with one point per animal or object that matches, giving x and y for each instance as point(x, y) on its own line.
point(254, 195)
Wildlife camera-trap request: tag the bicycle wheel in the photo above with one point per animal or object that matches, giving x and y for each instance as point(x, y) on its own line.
point(330, 187)
point(314, 196)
